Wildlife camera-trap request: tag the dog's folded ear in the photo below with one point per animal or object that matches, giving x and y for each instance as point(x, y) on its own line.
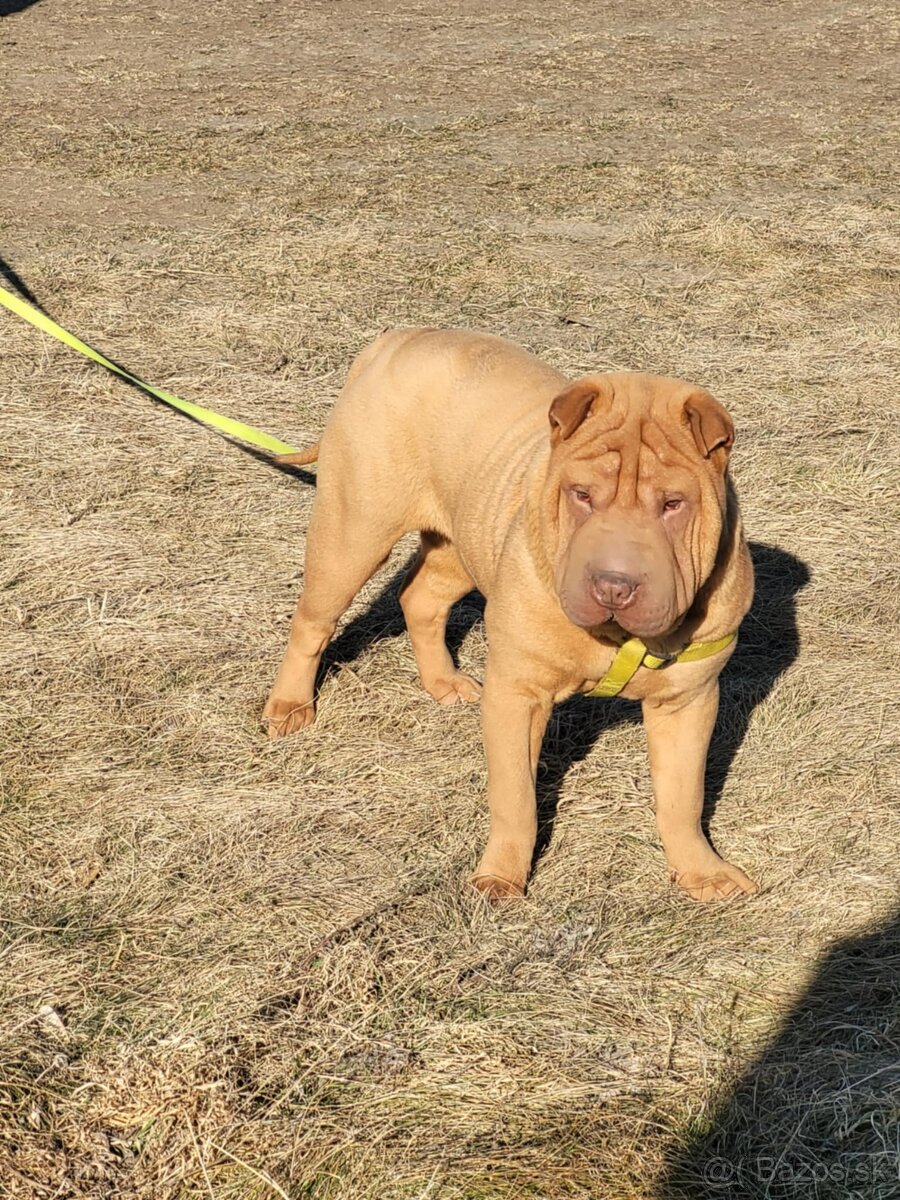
point(571, 406)
point(709, 423)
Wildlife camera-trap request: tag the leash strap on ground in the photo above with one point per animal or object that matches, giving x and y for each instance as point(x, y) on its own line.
point(633, 654)
point(226, 425)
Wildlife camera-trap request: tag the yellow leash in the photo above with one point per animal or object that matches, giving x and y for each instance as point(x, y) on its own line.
point(633, 654)
point(235, 429)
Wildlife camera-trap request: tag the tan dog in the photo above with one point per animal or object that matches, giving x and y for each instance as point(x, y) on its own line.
point(615, 518)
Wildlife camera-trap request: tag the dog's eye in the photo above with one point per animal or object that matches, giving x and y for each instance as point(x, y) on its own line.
point(672, 504)
point(582, 495)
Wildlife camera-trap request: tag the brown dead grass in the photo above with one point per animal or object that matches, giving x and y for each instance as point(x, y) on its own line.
point(235, 969)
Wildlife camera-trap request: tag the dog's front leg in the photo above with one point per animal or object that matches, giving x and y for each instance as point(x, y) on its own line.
point(678, 735)
point(514, 719)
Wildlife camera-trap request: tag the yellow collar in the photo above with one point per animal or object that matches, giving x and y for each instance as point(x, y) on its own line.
point(634, 654)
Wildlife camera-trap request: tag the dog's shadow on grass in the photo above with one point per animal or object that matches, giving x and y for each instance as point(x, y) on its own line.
point(384, 619)
point(767, 647)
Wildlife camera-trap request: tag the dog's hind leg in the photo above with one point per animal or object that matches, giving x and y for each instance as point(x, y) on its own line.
point(346, 545)
point(435, 582)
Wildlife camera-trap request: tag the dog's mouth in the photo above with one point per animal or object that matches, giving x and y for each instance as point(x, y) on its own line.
point(585, 612)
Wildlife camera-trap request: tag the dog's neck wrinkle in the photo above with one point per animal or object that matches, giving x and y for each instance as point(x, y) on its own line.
point(542, 519)
point(686, 628)
point(723, 597)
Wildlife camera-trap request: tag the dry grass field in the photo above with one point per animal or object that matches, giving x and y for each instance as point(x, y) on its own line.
point(240, 970)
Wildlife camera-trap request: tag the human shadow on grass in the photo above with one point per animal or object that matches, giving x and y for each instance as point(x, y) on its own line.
point(768, 645)
point(8, 7)
point(816, 1114)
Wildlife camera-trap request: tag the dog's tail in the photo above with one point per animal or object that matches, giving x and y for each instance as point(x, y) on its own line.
point(300, 459)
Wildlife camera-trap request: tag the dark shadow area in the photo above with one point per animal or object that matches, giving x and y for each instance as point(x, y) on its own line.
point(12, 277)
point(8, 7)
point(817, 1114)
point(7, 273)
point(384, 619)
point(768, 645)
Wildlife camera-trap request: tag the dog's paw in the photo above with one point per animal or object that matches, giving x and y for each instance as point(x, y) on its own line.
point(282, 717)
point(721, 883)
point(453, 689)
point(496, 889)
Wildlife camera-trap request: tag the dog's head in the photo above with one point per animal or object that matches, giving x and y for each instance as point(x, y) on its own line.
point(638, 468)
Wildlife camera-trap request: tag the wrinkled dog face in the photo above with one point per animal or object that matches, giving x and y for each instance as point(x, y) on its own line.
point(638, 462)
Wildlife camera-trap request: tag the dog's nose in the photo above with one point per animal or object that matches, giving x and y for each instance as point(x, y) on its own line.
point(612, 589)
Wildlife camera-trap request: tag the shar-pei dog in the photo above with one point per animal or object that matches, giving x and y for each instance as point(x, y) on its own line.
point(598, 519)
